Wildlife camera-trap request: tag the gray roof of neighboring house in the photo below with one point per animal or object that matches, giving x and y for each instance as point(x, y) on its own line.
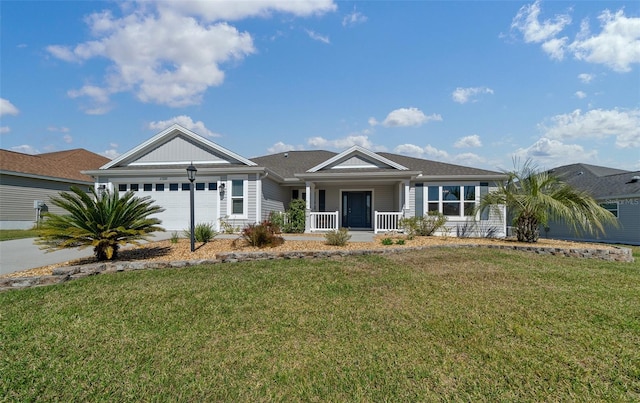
point(287, 164)
point(600, 182)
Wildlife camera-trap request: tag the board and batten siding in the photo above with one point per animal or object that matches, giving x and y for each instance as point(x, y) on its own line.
point(18, 193)
point(178, 149)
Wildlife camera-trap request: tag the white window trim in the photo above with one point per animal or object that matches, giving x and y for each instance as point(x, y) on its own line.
point(453, 218)
point(245, 196)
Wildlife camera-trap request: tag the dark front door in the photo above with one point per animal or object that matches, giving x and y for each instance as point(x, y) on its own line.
point(356, 209)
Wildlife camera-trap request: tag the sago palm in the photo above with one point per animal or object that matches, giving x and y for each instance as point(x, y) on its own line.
point(535, 197)
point(104, 221)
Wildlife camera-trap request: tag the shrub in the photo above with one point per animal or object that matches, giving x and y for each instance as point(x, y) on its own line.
point(423, 225)
point(400, 242)
point(278, 219)
point(387, 241)
point(228, 227)
point(338, 237)
point(175, 237)
point(261, 235)
point(295, 217)
point(203, 232)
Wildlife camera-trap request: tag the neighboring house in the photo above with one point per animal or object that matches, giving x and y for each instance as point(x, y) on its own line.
point(616, 190)
point(28, 181)
point(357, 189)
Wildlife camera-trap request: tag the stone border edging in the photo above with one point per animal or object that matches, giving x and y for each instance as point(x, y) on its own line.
point(67, 273)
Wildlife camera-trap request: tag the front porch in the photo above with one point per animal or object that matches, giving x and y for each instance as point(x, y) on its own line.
point(330, 221)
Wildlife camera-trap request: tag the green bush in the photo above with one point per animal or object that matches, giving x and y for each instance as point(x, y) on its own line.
point(423, 225)
point(261, 235)
point(387, 241)
point(278, 219)
point(203, 232)
point(337, 237)
point(400, 242)
point(175, 237)
point(295, 217)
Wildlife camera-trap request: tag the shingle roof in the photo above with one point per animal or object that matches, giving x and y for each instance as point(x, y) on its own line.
point(61, 164)
point(289, 163)
point(600, 182)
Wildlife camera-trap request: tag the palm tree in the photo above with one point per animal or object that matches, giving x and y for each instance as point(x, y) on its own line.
point(534, 197)
point(103, 221)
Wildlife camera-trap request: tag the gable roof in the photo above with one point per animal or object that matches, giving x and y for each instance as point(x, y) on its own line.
point(60, 165)
point(293, 165)
point(365, 159)
point(208, 151)
point(600, 182)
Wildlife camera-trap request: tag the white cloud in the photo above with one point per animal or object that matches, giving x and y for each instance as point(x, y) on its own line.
point(554, 152)
point(215, 10)
point(534, 31)
point(353, 18)
point(344, 143)
point(170, 52)
point(468, 142)
point(280, 147)
point(5, 129)
point(405, 117)
point(616, 46)
point(586, 78)
point(624, 125)
point(7, 108)
point(58, 129)
point(317, 37)
point(427, 151)
point(25, 149)
point(111, 153)
point(186, 122)
point(67, 139)
point(464, 95)
point(581, 94)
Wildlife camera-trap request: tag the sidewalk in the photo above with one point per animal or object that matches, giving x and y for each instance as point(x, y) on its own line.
point(23, 254)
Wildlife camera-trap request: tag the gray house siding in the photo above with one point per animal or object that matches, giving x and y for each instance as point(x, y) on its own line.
point(17, 195)
point(628, 232)
point(274, 197)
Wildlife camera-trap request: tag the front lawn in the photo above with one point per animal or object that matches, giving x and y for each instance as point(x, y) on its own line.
point(440, 324)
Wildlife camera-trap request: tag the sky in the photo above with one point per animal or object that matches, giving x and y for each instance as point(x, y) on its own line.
point(485, 84)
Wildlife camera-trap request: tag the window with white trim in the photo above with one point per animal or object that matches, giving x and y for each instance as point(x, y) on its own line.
point(452, 200)
point(611, 207)
point(238, 197)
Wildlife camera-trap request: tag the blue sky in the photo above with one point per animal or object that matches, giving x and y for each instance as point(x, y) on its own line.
point(474, 83)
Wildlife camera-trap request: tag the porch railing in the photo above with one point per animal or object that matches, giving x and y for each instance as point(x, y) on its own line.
point(323, 221)
point(386, 221)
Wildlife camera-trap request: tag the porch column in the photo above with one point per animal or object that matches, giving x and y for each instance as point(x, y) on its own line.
point(310, 191)
point(405, 188)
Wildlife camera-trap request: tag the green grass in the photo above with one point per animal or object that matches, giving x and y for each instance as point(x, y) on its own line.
point(8, 234)
point(443, 324)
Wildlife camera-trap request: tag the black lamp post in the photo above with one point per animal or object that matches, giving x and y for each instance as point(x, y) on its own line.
point(191, 174)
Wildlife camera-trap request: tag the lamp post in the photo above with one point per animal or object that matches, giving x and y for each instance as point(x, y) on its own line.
point(191, 174)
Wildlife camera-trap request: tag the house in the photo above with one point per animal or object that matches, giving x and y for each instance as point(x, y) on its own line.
point(357, 188)
point(28, 181)
point(616, 190)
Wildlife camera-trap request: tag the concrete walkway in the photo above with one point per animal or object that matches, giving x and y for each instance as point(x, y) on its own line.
point(23, 254)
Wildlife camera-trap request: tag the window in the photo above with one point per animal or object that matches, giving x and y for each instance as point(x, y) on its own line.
point(147, 187)
point(122, 187)
point(173, 187)
point(450, 200)
point(213, 186)
point(237, 196)
point(294, 194)
point(322, 197)
point(611, 207)
point(200, 186)
point(419, 199)
point(484, 190)
point(186, 186)
point(134, 187)
point(159, 187)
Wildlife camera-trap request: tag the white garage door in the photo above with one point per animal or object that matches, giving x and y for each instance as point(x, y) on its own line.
point(176, 214)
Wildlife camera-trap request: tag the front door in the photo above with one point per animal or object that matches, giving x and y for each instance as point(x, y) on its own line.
point(356, 209)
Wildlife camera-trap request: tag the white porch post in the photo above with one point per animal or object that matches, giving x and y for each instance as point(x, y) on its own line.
point(310, 191)
point(405, 191)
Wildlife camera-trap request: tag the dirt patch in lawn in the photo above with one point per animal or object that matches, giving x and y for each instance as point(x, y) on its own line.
point(168, 251)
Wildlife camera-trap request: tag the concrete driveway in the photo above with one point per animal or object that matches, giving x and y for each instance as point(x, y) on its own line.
point(23, 254)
